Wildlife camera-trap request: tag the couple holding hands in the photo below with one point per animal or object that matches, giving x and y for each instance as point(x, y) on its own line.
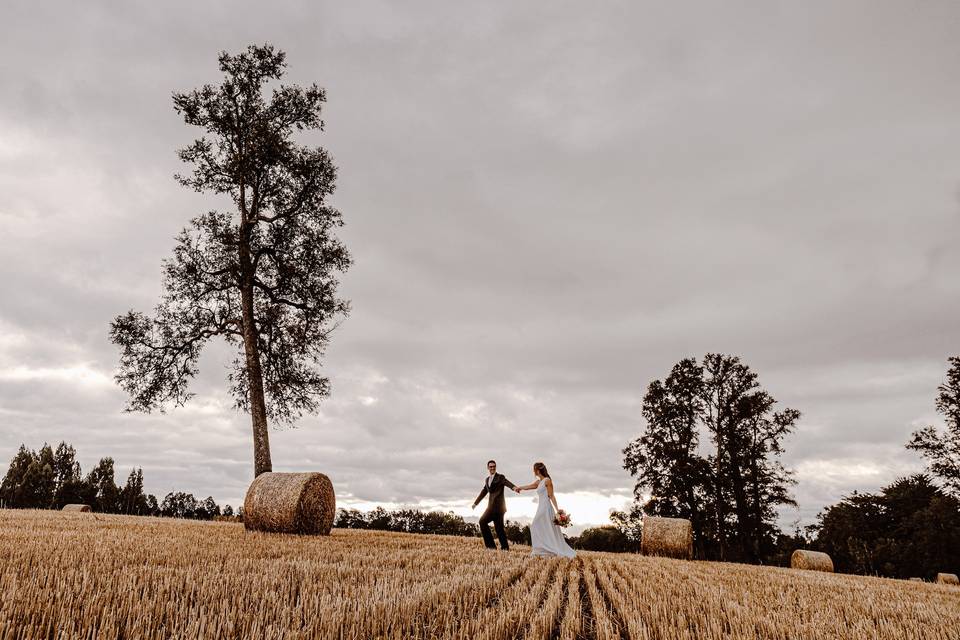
point(545, 534)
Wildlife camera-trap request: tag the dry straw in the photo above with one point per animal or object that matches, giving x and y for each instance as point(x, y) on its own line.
point(671, 537)
point(290, 503)
point(947, 578)
point(161, 578)
point(79, 508)
point(811, 561)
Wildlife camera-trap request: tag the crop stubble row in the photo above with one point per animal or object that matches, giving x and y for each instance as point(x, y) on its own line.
point(79, 575)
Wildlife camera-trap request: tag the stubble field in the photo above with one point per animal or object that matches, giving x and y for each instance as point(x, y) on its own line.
point(86, 576)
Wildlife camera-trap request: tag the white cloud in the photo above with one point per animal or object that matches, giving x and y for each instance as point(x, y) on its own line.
point(547, 209)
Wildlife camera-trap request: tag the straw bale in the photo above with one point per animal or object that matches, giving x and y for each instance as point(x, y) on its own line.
point(290, 503)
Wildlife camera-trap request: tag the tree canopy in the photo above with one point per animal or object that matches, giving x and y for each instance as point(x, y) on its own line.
point(730, 495)
point(262, 273)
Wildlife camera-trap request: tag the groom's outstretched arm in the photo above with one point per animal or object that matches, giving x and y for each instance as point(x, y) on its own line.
point(507, 483)
point(480, 497)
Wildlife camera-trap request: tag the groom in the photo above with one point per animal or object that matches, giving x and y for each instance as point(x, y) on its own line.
point(496, 506)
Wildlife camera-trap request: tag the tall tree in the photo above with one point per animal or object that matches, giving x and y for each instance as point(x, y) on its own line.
point(665, 460)
point(263, 275)
point(104, 495)
point(66, 471)
point(731, 494)
point(47, 486)
point(942, 448)
point(748, 437)
point(132, 499)
point(18, 488)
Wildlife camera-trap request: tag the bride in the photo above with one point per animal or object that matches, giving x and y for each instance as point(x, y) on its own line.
point(546, 538)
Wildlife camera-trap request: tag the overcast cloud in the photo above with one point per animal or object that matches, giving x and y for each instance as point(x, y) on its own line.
point(548, 205)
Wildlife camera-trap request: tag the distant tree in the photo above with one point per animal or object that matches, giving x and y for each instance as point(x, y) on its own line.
point(942, 449)
point(606, 538)
point(23, 485)
point(416, 521)
point(209, 508)
point(262, 276)
point(153, 508)
point(629, 522)
point(784, 545)
point(731, 495)
point(67, 477)
point(350, 519)
point(47, 487)
point(132, 499)
point(516, 533)
point(178, 504)
point(380, 520)
point(102, 491)
point(228, 511)
point(911, 528)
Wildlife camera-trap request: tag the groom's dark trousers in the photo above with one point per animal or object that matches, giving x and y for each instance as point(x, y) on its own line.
point(496, 508)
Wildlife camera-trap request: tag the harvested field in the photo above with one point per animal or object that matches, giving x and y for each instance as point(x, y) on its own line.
point(72, 575)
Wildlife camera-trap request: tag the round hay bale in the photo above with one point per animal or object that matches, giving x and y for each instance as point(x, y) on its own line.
point(77, 508)
point(671, 537)
point(290, 503)
point(811, 561)
point(948, 578)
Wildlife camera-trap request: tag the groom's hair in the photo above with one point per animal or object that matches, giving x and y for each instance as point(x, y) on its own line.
point(490, 462)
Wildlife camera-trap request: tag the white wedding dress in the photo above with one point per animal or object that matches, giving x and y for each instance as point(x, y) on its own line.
point(546, 537)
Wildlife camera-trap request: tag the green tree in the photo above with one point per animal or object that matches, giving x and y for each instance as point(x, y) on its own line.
point(942, 448)
point(910, 529)
point(132, 499)
point(748, 435)
point(178, 504)
point(607, 538)
point(18, 488)
point(103, 493)
point(730, 496)
point(67, 476)
point(665, 460)
point(153, 508)
point(262, 275)
point(47, 486)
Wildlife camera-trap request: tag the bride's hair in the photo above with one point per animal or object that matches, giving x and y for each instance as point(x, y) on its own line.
point(541, 468)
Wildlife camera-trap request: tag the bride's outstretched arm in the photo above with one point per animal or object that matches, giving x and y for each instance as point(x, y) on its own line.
point(532, 485)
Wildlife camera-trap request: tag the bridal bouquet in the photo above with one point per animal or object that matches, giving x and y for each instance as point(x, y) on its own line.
point(562, 519)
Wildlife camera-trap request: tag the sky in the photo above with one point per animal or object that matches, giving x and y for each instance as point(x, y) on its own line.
point(548, 204)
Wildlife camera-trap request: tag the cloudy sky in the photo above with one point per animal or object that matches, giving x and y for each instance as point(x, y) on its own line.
point(548, 205)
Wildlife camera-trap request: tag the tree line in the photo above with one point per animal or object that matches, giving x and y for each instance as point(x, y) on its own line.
point(416, 521)
point(51, 478)
point(608, 538)
point(710, 452)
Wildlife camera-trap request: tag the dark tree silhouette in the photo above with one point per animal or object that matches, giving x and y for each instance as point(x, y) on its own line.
point(911, 528)
point(748, 437)
point(261, 275)
point(69, 483)
point(729, 496)
point(665, 459)
point(102, 491)
point(942, 448)
point(132, 499)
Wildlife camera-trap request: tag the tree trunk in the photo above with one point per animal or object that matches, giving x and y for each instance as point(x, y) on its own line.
point(262, 462)
point(744, 521)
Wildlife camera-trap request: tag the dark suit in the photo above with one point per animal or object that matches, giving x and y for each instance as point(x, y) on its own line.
point(496, 507)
